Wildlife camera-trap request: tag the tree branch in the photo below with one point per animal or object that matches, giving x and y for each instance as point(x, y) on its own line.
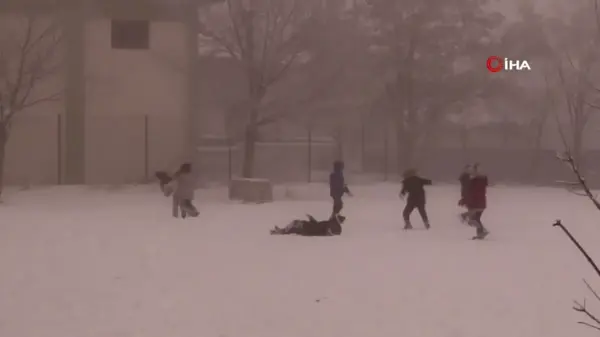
point(567, 158)
point(583, 309)
point(36, 59)
point(578, 306)
point(589, 259)
point(592, 290)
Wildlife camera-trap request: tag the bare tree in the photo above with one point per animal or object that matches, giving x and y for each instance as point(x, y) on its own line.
point(580, 182)
point(576, 93)
point(577, 49)
point(265, 38)
point(29, 55)
point(576, 97)
point(421, 43)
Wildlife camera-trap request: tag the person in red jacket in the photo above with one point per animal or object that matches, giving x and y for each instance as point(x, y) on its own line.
point(477, 201)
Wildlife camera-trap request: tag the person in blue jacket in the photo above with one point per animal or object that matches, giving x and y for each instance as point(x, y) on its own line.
point(337, 187)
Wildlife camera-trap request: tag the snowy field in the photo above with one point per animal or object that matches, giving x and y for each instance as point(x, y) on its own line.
point(84, 262)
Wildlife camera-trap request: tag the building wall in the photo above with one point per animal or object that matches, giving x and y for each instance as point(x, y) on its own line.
point(135, 113)
point(124, 88)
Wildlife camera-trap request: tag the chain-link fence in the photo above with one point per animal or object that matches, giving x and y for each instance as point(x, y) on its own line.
point(507, 154)
point(304, 157)
point(129, 149)
point(118, 149)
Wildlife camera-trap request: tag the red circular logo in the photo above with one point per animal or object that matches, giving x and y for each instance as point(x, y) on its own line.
point(494, 64)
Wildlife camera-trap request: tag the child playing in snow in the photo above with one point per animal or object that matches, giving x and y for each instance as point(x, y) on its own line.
point(413, 185)
point(477, 201)
point(337, 187)
point(181, 186)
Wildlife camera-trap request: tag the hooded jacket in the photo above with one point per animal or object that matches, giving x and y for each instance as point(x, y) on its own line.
point(465, 179)
point(413, 185)
point(477, 192)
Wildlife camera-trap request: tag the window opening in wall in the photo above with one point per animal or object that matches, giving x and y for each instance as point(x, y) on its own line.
point(130, 34)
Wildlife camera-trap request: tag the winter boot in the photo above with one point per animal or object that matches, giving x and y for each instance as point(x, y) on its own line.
point(481, 232)
point(407, 225)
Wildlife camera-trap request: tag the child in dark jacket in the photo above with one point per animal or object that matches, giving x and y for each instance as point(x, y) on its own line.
point(312, 227)
point(413, 185)
point(337, 187)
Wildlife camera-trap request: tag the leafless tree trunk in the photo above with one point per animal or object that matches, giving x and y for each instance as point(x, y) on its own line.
point(263, 37)
point(576, 93)
point(29, 54)
point(537, 127)
point(3, 141)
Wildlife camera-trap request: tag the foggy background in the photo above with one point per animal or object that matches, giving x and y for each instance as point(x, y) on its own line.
point(107, 92)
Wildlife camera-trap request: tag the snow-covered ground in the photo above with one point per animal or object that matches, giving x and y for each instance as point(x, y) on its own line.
point(84, 262)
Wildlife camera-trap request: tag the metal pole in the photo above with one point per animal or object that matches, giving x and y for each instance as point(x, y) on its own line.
point(309, 153)
point(385, 154)
point(229, 160)
point(362, 146)
point(59, 150)
point(146, 147)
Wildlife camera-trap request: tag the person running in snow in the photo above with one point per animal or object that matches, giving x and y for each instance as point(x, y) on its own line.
point(413, 185)
point(464, 179)
point(477, 201)
point(312, 227)
point(182, 185)
point(337, 187)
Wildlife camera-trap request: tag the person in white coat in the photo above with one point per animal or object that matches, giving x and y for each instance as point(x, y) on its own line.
point(182, 187)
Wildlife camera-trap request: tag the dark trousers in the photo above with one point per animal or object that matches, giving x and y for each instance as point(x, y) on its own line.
point(185, 206)
point(466, 215)
point(338, 204)
point(294, 227)
point(410, 207)
point(475, 221)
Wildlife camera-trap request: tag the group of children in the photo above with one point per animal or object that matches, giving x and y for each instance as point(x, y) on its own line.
point(473, 196)
point(473, 183)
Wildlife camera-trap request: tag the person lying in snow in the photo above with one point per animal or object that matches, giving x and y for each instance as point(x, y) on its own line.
point(312, 227)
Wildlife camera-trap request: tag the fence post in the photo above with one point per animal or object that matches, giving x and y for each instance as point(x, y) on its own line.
point(385, 154)
point(362, 147)
point(340, 143)
point(146, 147)
point(229, 159)
point(309, 144)
point(59, 150)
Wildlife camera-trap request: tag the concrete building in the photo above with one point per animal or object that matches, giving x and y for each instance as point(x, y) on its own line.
point(126, 103)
